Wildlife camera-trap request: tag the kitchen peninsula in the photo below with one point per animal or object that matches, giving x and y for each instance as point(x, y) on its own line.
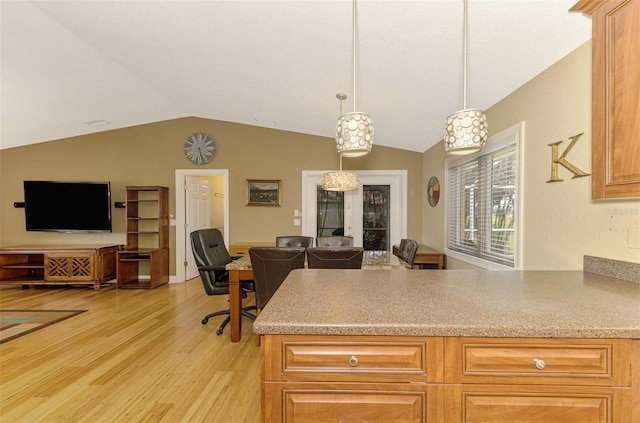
point(456, 345)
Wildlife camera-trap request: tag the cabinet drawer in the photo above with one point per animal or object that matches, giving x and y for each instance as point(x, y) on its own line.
point(357, 358)
point(329, 403)
point(493, 404)
point(596, 362)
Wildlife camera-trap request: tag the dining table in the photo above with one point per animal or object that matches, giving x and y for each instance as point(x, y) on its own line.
point(240, 270)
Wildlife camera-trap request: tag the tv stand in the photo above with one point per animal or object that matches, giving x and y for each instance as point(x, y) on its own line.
point(58, 265)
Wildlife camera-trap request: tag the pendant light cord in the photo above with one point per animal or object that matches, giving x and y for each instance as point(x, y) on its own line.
point(340, 97)
point(464, 58)
point(353, 15)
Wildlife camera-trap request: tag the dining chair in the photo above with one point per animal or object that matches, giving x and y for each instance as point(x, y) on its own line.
point(334, 241)
point(270, 266)
point(407, 250)
point(410, 251)
point(211, 256)
point(335, 257)
point(294, 241)
point(401, 247)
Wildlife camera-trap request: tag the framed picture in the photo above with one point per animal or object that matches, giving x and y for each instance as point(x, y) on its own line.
point(263, 192)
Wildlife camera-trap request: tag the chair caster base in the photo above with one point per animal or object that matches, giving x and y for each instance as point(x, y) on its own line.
point(204, 321)
point(219, 332)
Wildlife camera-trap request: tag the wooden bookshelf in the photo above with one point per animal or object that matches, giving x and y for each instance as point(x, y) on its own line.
point(144, 263)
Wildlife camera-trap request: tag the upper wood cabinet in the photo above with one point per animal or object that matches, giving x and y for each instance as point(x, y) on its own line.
point(615, 97)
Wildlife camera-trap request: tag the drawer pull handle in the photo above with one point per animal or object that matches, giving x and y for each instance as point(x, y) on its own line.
point(353, 361)
point(540, 364)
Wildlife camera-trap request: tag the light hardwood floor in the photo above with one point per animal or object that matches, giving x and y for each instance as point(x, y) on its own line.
point(134, 356)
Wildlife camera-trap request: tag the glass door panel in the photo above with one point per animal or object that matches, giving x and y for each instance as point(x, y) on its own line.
point(375, 214)
point(330, 215)
point(375, 217)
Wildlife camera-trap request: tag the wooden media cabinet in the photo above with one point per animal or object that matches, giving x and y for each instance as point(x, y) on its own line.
point(58, 265)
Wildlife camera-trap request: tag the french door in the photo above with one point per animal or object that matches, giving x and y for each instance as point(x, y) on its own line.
point(374, 215)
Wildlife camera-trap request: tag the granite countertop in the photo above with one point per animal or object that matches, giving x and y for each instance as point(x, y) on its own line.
point(549, 304)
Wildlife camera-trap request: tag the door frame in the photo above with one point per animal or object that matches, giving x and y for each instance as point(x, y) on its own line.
point(398, 209)
point(180, 218)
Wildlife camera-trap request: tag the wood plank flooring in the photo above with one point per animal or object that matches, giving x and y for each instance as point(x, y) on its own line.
point(134, 356)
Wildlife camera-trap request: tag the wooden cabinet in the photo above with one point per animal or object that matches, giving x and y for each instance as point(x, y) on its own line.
point(615, 99)
point(144, 263)
point(330, 378)
point(542, 380)
point(64, 265)
point(308, 378)
point(427, 258)
point(352, 402)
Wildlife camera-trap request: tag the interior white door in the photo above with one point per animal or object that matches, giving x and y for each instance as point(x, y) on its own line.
point(198, 216)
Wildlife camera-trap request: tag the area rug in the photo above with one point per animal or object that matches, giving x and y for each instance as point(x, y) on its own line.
point(15, 323)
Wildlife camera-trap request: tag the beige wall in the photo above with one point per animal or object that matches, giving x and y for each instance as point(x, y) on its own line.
point(150, 154)
point(561, 222)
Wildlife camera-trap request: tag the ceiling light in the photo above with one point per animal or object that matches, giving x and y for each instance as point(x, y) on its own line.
point(354, 131)
point(340, 181)
point(466, 130)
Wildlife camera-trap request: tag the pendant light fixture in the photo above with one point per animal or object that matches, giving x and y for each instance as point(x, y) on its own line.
point(466, 130)
point(340, 181)
point(354, 131)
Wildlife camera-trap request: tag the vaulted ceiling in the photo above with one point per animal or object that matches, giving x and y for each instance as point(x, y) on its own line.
point(279, 64)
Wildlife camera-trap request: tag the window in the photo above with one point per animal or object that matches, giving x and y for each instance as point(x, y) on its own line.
point(483, 203)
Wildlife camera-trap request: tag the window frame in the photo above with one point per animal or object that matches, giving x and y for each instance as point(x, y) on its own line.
point(514, 134)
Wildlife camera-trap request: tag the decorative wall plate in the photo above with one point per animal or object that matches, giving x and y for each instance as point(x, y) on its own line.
point(433, 191)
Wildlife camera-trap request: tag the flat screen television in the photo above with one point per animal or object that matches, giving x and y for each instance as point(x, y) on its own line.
point(67, 206)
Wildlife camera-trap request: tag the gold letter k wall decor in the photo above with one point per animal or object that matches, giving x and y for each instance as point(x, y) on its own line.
point(555, 161)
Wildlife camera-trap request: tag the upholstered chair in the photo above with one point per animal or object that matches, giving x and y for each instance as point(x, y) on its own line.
point(335, 257)
point(294, 241)
point(270, 266)
point(334, 241)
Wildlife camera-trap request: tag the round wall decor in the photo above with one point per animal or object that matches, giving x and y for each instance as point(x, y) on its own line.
point(199, 148)
point(433, 191)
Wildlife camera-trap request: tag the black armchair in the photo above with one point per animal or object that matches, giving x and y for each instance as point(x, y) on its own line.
point(271, 265)
point(211, 256)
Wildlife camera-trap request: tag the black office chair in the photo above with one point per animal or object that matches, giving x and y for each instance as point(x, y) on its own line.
point(335, 257)
point(294, 241)
point(211, 256)
point(270, 266)
point(334, 241)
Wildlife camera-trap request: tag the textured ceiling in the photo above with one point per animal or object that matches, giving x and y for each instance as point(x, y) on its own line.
point(64, 63)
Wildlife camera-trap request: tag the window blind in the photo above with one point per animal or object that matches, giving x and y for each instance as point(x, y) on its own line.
point(482, 206)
